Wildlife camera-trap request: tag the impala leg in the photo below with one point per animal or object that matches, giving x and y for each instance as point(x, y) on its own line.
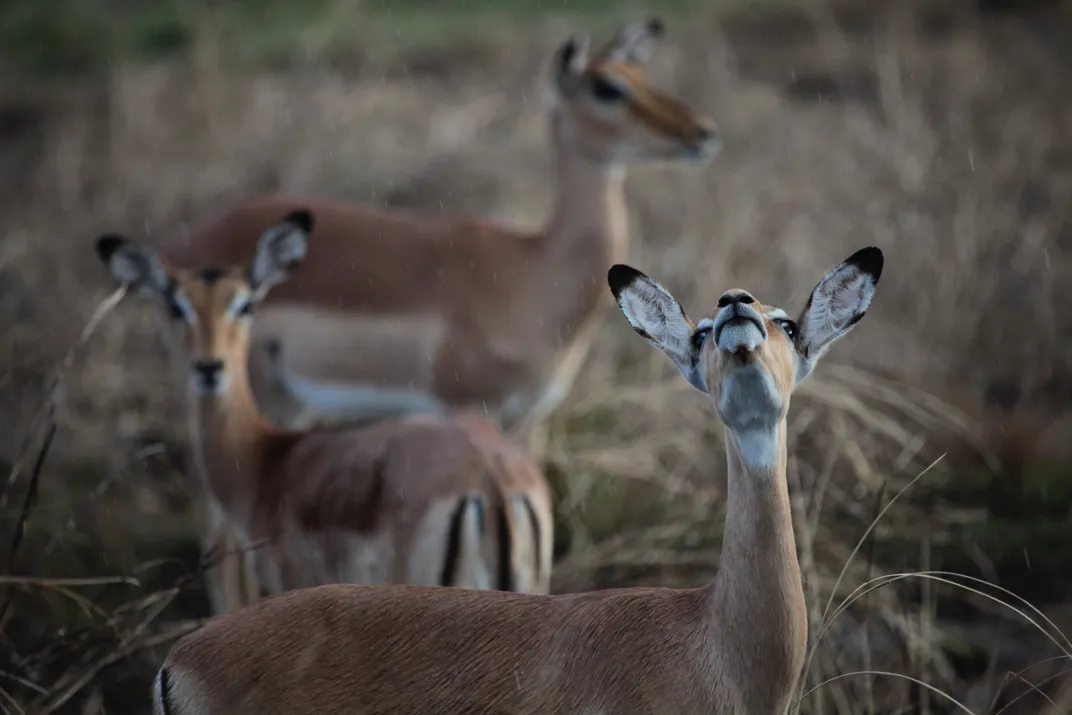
point(531, 429)
point(251, 586)
point(231, 580)
point(273, 398)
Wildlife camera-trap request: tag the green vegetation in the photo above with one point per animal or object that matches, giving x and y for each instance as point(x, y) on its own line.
point(70, 38)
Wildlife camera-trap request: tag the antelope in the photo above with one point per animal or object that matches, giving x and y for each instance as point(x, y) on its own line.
point(736, 645)
point(417, 311)
point(525, 488)
point(405, 500)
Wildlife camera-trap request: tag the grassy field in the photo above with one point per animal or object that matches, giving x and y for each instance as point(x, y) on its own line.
point(77, 38)
point(936, 133)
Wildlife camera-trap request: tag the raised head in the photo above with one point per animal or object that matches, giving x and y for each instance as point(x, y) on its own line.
point(210, 308)
point(749, 356)
point(614, 113)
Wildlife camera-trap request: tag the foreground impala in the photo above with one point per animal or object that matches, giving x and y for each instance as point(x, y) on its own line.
point(734, 646)
point(420, 499)
point(457, 310)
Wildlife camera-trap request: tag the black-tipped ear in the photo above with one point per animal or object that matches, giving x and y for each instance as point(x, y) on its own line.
point(132, 262)
point(620, 277)
point(279, 251)
point(657, 316)
point(634, 42)
point(108, 244)
point(570, 61)
point(302, 218)
point(837, 304)
point(868, 260)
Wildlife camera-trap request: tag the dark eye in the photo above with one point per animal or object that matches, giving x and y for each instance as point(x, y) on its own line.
point(175, 311)
point(787, 326)
point(699, 336)
point(245, 309)
point(606, 91)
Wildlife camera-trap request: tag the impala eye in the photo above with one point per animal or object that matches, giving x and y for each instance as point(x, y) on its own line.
point(603, 90)
point(175, 311)
point(787, 326)
point(245, 309)
point(700, 336)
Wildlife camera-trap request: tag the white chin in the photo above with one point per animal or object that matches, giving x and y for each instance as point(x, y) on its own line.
point(735, 338)
point(203, 390)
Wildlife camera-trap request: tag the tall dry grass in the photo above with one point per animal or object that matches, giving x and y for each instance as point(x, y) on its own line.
point(944, 142)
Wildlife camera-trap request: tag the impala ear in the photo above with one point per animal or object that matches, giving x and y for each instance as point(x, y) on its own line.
point(133, 263)
point(836, 305)
point(570, 62)
point(635, 42)
point(279, 251)
point(659, 318)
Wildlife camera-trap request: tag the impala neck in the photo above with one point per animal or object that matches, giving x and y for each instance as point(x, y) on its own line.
point(230, 439)
point(756, 602)
point(586, 231)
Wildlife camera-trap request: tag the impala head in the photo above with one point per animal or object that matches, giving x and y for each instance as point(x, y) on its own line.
point(749, 356)
point(211, 309)
point(612, 109)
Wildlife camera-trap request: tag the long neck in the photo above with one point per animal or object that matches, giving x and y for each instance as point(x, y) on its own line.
point(231, 441)
point(584, 234)
point(756, 602)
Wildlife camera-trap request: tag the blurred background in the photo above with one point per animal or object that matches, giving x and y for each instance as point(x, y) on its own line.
point(940, 131)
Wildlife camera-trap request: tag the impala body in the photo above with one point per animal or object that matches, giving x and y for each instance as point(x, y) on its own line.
point(419, 311)
point(418, 499)
point(736, 645)
point(528, 513)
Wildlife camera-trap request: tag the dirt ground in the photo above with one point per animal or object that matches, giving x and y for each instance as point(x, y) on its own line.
point(940, 135)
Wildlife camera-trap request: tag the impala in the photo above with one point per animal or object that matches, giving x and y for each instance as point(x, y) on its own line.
point(736, 645)
point(528, 495)
point(422, 310)
point(407, 500)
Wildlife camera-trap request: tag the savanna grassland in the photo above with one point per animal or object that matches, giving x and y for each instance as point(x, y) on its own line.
point(938, 131)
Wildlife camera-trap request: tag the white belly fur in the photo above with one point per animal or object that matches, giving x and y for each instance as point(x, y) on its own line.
point(398, 352)
point(339, 347)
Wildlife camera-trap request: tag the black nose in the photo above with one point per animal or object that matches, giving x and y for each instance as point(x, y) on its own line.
point(208, 370)
point(731, 298)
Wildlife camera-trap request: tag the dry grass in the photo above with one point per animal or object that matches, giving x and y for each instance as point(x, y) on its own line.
point(947, 146)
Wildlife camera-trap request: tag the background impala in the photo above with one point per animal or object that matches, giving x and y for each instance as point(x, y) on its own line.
point(421, 499)
point(936, 131)
point(411, 311)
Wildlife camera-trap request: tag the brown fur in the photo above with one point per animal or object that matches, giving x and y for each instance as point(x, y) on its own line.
point(734, 646)
point(473, 313)
point(526, 499)
point(376, 502)
point(523, 488)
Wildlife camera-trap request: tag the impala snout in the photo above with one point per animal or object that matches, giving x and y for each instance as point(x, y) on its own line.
point(739, 327)
point(208, 376)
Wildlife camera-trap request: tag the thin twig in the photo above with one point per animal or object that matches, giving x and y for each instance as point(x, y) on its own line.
point(27, 505)
point(60, 699)
point(902, 676)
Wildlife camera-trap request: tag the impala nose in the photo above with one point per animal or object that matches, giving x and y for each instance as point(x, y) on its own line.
point(735, 297)
point(738, 326)
point(208, 375)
